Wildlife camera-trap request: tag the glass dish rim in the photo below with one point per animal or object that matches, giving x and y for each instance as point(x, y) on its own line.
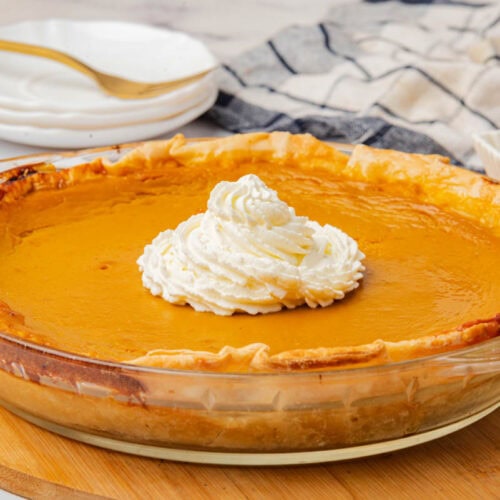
point(66, 356)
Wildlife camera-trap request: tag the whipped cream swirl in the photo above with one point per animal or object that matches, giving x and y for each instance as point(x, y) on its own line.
point(250, 253)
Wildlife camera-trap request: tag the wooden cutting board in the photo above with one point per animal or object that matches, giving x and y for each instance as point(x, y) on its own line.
point(38, 464)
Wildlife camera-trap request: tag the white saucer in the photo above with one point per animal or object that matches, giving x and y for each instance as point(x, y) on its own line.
point(47, 104)
point(32, 84)
point(169, 104)
point(68, 138)
point(135, 51)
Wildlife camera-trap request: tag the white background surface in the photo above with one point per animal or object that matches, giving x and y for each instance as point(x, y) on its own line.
point(4, 495)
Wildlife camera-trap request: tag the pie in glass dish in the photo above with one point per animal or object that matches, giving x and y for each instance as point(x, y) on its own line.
point(413, 346)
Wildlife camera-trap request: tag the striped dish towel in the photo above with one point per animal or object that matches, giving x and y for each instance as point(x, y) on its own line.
point(419, 76)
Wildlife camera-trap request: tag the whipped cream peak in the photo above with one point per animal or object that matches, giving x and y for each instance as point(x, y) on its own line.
point(249, 252)
point(249, 201)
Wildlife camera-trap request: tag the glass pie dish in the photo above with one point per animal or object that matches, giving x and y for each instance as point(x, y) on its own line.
point(244, 418)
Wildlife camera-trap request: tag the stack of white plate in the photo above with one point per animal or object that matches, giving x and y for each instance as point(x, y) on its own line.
point(45, 103)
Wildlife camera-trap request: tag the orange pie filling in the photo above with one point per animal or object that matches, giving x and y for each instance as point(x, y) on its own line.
point(70, 240)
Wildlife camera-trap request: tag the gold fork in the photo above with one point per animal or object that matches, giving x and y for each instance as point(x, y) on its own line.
point(113, 85)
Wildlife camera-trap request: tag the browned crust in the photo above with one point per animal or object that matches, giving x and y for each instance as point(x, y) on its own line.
point(431, 179)
point(427, 177)
point(22, 181)
point(470, 333)
point(153, 157)
point(257, 357)
point(306, 359)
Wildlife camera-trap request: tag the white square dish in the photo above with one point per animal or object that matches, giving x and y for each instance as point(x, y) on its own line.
point(487, 146)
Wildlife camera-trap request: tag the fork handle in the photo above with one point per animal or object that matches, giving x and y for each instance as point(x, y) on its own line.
point(55, 55)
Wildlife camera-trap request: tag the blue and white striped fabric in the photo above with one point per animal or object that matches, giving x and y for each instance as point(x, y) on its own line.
point(419, 76)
